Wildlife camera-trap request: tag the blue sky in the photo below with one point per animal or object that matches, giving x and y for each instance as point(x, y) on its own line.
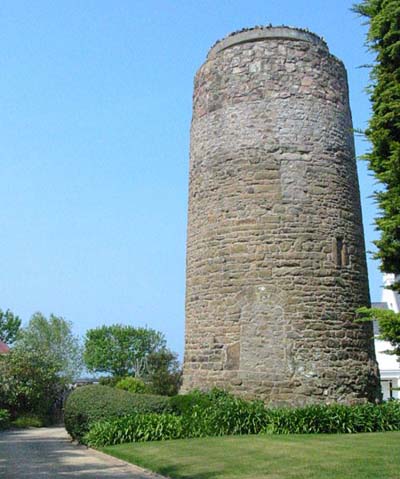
point(94, 142)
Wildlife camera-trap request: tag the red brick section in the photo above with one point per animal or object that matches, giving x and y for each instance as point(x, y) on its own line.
point(4, 348)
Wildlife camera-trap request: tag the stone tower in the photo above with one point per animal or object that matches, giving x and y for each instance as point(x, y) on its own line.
point(275, 251)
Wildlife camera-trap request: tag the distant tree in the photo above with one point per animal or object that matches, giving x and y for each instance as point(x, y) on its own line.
point(164, 373)
point(29, 382)
point(121, 350)
point(389, 326)
point(45, 358)
point(54, 340)
point(9, 326)
point(383, 39)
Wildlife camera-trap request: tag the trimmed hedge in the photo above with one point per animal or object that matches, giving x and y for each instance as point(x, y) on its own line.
point(89, 404)
point(4, 419)
point(228, 415)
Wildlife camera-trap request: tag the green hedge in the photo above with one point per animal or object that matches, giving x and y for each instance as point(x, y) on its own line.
point(228, 415)
point(89, 404)
point(4, 419)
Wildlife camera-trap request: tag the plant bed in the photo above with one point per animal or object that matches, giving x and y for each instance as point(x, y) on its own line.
point(229, 415)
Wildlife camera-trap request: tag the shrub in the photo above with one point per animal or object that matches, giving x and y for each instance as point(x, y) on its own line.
point(211, 414)
point(133, 385)
point(28, 420)
point(164, 373)
point(135, 428)
point(29, 383)
point(4, 419)
point(184, 403)
point(225, 415)
point(109, 380)
point(334, 419)
point(89, 404)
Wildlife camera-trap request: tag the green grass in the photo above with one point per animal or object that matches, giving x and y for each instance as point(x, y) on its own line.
point(341, 456)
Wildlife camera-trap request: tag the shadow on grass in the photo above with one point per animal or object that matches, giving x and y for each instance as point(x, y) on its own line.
point(176, 473)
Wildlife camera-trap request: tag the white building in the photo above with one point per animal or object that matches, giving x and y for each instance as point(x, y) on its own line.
point(389, 366)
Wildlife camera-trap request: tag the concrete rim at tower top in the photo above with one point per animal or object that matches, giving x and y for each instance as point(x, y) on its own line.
point(263, 33)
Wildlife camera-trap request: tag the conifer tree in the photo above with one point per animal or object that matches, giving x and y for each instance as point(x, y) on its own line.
point(383, 39)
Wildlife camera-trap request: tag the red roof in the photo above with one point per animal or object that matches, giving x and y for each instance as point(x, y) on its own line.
point(4, 348)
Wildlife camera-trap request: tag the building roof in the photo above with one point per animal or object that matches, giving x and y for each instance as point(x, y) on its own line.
point(4, 348)
point(380, 305)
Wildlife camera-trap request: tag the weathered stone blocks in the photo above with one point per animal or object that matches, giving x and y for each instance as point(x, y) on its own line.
point(275, 251)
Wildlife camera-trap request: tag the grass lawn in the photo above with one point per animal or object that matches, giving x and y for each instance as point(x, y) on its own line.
point(341, 456)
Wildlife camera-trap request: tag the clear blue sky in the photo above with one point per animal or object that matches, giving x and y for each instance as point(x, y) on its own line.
point(94, 136)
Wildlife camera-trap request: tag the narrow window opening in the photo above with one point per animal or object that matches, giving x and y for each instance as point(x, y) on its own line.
point(339, 252)
point(345, 257)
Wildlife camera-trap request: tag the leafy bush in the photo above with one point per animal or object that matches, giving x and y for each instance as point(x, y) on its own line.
point(135, 428)
point(164, 372)
point(184, 403)
point(210, 414)
point(217, 414)
point(160, 371)
point(224, 415)
point(133, 385)
point(4, 419)
point(29, 382)
point(109, 380)
point(89, 404)
point(335, 419)
point(28, 420)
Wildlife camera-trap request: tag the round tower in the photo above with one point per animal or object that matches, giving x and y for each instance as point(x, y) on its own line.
point(275, 252)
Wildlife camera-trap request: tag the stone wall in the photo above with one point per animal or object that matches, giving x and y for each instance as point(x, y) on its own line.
point(275, 251)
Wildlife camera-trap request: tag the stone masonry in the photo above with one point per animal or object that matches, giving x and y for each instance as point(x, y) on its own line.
point(275, 252)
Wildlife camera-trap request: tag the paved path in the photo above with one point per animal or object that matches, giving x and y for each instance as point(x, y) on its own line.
point(48, 453)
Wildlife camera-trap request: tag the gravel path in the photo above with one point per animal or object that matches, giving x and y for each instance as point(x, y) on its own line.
point(49, 453)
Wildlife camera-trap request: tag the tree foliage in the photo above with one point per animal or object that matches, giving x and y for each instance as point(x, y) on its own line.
point(389, 326)
point(54, 339)
point(9, 326)
point(121, 350)
point(45, 359)
point(383, 39)
point(29, 382)
point(164, 373)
